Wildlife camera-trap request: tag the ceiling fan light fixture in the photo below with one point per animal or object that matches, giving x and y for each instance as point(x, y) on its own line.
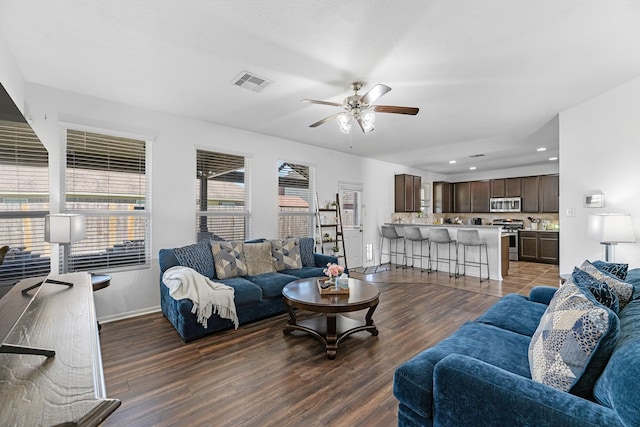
point(367, 117)
point(344, 122)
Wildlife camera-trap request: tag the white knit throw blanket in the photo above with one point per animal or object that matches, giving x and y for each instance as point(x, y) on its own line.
point(208, 297)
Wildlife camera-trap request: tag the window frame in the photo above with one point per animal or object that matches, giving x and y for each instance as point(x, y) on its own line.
point(140, 252)
point(309, 214)
point(202, 155)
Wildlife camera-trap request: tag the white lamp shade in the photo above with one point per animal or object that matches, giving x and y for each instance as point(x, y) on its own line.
point(611, 228)
point(64, 228)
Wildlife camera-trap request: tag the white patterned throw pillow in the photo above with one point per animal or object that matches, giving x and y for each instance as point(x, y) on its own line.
point(228, 259)
point(286, 254)
point(573, 341)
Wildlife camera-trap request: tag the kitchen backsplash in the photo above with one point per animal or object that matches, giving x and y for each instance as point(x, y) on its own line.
point(487, 218)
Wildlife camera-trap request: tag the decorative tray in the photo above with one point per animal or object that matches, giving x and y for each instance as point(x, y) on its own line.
point(341, 289)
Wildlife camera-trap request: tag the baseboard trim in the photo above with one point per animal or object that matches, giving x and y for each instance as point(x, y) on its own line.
point(129, 314)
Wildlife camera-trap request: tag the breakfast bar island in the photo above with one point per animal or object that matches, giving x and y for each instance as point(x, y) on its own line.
point(491, 234)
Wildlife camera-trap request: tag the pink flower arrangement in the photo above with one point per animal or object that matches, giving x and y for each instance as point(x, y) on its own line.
point(333, 270)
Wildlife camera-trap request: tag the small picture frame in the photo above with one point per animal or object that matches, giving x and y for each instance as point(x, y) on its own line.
point(594, 200)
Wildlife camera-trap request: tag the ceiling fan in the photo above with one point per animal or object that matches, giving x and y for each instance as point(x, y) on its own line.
point(359, 108)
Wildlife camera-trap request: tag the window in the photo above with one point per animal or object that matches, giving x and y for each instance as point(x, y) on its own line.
point(107, 182)
point(223, 196)
point(296, 185)
point(24, 201)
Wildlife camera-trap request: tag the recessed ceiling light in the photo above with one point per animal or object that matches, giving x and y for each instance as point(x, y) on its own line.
point(451, 162)
point(472, 168)
point(553, 158)
point(542, 149)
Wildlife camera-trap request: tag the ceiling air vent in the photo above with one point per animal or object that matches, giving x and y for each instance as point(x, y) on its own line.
point(473, 156)
point(251, 81)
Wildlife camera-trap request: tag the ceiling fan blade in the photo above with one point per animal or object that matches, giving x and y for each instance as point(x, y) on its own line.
point(325, 120)
point(395, 109)
point(376, 92)
point(313, 101)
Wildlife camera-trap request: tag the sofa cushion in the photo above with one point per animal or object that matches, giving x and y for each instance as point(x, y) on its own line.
point(600, 290)
point(286, 253)
point(306, 252)
point(413, 380)
point(622, 289)
point(246, 294)
point(259, 258)
point(514, 313)
point(272, 283)
point(618, 386)
point(198, 257)
point(613, 268)
point(573, 342)
point(229, 259)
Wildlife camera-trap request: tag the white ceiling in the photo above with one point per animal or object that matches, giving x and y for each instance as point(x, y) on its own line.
point(486, 75)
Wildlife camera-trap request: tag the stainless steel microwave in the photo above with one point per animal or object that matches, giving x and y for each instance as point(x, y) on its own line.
point(505, 204)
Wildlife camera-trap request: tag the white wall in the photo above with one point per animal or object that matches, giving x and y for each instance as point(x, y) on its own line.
point(600, 149)
point(174, 143)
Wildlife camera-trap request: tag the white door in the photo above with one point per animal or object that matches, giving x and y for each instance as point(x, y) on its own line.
point(351, 211)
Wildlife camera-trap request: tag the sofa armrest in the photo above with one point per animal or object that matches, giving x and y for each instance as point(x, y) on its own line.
point(542, 294)
point(322, 260)
point(470, 392)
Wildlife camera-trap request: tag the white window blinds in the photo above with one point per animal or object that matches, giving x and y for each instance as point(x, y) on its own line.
point(223, 196)
point(24, 201)
point(106, 180)
point(296, 184)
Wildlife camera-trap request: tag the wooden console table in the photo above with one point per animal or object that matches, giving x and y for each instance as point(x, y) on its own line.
point(67, 388)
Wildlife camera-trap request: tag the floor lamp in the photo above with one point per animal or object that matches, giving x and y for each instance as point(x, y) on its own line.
point(610, 229)
point(63, 229)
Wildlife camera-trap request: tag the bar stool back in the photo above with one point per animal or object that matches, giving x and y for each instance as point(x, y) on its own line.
point(389, 233)
point(441, 236)
point(416, 237)
point(471, 238)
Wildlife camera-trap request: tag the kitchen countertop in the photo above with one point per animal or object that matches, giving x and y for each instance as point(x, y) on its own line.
point(404, 224)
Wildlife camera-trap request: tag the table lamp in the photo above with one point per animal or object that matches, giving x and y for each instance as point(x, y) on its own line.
point(610, 229)
point(64, 229)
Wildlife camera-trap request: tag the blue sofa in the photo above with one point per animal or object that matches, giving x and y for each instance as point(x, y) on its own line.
point(256, 297)
point(480, 375)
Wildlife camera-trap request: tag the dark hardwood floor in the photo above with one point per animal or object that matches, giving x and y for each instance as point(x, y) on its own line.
point(256, 376)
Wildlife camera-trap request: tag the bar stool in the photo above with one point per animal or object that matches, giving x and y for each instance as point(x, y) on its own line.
point(440, 236)
point(471, 238)
point(389, 233)
point(415, 236)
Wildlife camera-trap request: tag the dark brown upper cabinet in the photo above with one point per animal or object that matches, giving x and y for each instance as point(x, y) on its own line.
point(530, 194)
point(462, 197)
point(549, 193)
point(512, 187)
point(407, 193)
point(442, 197)
point(498, 188)
point(480, 191)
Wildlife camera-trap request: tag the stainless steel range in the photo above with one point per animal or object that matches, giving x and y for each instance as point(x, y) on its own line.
point(510, 228)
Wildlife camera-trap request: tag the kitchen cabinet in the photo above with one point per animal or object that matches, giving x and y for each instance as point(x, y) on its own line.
point(512, 187)
point(480, 191)
point(549, 193)
point(462, 197)
point(530, 194)
point(407, 193)
point(497, 188)
point(442, 197)
point(539, 246)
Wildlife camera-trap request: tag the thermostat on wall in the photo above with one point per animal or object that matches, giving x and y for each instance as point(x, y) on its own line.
point(594, 200)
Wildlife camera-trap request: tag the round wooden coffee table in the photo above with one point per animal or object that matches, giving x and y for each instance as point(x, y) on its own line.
point(330, 327)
